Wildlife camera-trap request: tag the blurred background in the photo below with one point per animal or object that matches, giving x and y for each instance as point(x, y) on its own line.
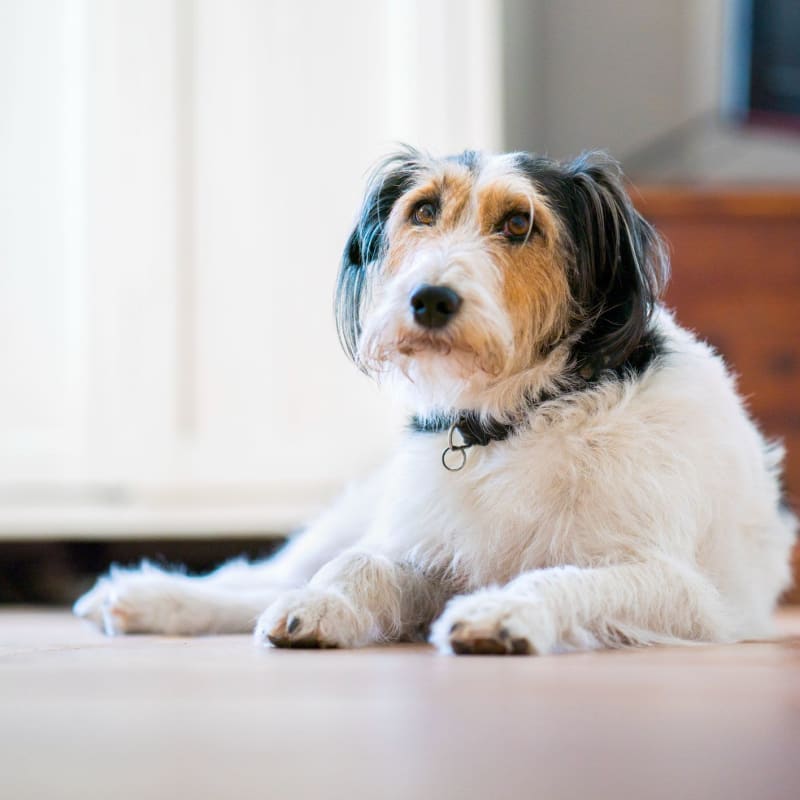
point(177, 180)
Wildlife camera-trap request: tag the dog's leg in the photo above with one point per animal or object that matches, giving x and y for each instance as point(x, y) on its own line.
point(148, 599)
point(569, 608)
point(356, 599)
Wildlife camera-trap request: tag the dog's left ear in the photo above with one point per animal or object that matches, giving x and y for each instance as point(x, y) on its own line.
point(365, 246)
point(620, 265)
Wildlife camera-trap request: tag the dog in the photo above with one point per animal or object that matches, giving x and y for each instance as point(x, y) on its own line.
point(578, 471)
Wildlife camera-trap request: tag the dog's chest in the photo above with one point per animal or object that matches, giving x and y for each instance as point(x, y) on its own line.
point(490, 519)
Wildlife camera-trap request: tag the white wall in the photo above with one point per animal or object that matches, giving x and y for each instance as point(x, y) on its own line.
point(611, 74)
point(41, 244)
point(178, 178)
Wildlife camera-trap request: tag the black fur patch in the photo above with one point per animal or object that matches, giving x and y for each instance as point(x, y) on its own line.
point(391, 179)
point(651, 347)
point(618, 265)
point(784, 504)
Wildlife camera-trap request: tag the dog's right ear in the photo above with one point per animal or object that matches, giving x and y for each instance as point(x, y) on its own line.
point(366, 245)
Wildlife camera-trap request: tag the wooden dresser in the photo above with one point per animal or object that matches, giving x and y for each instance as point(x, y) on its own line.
point(736, 281)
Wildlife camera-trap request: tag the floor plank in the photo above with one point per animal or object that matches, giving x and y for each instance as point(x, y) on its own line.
point(82, 716)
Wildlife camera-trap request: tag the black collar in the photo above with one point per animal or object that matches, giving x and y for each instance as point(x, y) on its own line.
point(472, 429)
point(475, 430)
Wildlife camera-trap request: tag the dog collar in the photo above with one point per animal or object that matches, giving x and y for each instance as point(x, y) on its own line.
point(473, 429)
point(470, 429)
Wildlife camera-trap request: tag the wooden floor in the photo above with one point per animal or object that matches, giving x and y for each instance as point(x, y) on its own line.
point(86, 717)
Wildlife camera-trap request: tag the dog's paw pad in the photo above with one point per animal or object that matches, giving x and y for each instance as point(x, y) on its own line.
point(468, 640)
point(142, 600)
point(117, 618)
point(308, 619)
point(143, 609)
point(289, 633)
point(492, 623)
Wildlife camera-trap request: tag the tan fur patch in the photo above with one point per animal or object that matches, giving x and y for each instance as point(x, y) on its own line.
point(537, 296)
point(451, 189)
point(534, 285)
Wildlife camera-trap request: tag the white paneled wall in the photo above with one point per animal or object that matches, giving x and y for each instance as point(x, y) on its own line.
point(42, 256)
point(177, 180)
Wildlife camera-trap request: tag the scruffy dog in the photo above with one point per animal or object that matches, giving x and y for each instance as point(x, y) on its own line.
point(578, 472)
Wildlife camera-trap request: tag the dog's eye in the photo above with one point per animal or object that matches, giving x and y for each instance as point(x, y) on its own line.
point(516, 226)
point(424, 214)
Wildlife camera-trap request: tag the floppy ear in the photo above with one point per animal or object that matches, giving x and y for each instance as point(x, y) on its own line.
point(620, 266)
point(366, 244)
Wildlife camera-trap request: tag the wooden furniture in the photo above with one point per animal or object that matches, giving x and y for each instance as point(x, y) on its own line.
point(736, 281)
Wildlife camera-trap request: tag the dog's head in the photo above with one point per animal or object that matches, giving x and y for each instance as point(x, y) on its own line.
point(470, 272)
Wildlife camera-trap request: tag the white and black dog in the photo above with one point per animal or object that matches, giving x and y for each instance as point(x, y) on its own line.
point(579, 471)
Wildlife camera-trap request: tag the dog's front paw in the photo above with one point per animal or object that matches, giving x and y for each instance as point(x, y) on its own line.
point(312, 618)
point(141, 600)
point(491, 622)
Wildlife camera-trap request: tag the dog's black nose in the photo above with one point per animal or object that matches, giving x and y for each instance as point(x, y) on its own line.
point(434, 306)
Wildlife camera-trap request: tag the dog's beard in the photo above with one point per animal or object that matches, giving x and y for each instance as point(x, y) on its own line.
point(463, 357)
point(440, 367)
point(469, 353)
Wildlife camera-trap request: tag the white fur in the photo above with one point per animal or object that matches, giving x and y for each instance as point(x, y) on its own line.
point(635, 512)
point(656, 494)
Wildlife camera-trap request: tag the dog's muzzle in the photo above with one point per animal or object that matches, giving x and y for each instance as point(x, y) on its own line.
point(434, 306)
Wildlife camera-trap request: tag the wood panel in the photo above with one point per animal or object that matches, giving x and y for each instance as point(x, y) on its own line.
point(736, 281)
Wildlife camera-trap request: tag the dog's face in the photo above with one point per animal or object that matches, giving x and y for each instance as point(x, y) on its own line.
point(467, 271)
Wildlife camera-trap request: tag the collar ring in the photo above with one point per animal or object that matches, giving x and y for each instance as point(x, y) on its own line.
point(452, 447)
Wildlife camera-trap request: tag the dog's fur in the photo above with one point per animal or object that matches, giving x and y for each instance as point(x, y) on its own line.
point(631, 501)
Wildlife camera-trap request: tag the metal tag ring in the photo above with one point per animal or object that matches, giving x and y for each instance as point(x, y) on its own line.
point(462, 451)
point(451, 445)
